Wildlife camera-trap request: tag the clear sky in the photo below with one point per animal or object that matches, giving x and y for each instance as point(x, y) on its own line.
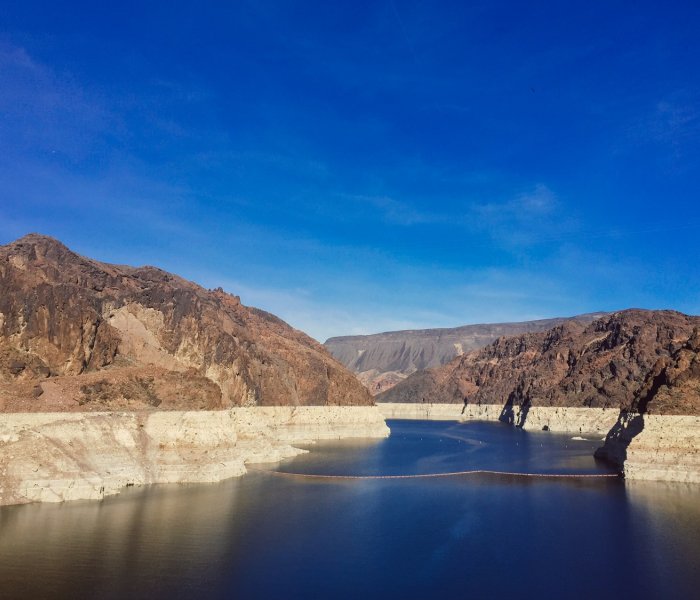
point(357, 167)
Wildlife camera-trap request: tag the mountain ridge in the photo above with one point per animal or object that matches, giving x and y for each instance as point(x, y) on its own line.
point(632, 360)
point(382, 360)
point(80, 334)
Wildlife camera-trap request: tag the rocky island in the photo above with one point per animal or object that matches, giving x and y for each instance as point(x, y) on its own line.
point(112, 376)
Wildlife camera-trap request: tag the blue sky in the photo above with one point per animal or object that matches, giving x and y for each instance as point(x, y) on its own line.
point(360, 167)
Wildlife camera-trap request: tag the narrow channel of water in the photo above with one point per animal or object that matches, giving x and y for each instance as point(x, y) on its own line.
point(266, 536)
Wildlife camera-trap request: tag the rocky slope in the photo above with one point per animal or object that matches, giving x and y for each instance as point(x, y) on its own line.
point(634, 373)
point(627, 360)
point(385, 359)
point(78, 334)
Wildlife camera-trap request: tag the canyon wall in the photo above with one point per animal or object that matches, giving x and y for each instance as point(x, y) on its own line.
point(112, 376)
point(596, 421)
point(619, 361)
point(54, 457)
point(79, 334)
point(383, 360)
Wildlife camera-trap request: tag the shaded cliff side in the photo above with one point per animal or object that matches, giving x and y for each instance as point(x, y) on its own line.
point(633, 361)
point(383, 360)
point(78, 334)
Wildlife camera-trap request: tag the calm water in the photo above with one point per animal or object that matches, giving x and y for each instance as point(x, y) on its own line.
point(272, 536)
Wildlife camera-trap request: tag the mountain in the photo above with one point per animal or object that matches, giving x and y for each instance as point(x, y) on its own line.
point(78, 334)
point(384, 359)
point(635, 360)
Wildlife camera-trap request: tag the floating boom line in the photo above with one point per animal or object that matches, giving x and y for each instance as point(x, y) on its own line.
point(449, 474)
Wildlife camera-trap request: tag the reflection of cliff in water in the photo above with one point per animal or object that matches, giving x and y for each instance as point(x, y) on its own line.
point(124, 534)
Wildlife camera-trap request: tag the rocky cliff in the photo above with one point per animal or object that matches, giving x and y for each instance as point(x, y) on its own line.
point(640, 368)
point(53, 457)
point(627, 360)
point(78, 334)
point(383, 360)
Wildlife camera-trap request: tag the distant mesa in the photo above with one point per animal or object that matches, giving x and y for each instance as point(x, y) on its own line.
point(78, 334)
point(383, 360)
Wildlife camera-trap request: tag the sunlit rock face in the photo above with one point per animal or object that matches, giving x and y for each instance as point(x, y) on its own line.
point(633, 360)
point(56, 457)
point(78, 334)
point(632, 375)
point(383, 360)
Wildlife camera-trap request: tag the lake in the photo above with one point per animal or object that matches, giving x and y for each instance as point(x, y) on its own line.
point(270, 535)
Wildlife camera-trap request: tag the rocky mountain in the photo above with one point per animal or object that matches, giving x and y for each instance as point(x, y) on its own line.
point(383, 360)
point(634, 360)
point(78, 334)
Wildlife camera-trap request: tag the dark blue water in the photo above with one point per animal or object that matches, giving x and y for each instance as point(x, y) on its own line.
point(271, 536)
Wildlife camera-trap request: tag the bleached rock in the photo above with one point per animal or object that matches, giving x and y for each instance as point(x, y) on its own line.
point(557, 419)
point(666, 448)
point(54, 457)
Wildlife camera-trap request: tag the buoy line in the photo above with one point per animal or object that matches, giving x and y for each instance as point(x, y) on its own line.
point(449, 474)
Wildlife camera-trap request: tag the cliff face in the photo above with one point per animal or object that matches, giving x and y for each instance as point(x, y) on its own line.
point(77, 334)
point(660, 437)
point(53, 457)
point(633, 360)
point(385, 359)
point(633, 374)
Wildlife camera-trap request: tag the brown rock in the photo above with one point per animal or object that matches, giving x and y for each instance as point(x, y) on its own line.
point(68, 316)
point(633, 360)
point(382, 360)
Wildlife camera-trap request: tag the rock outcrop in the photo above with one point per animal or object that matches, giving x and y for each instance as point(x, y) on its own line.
point(113, 376)
point(383, 360)
point(610, 363)
point(54, 457)
point(659, 438)
point(643, 367)
point(78, 334)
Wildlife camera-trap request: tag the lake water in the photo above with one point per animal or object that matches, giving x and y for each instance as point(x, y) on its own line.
point(267, 535)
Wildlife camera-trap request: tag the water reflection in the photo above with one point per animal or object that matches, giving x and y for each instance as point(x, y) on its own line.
point(91, 549)
point(266, 536)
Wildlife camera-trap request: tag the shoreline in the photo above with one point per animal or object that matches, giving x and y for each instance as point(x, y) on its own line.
point(592, 421)
point(660, 448)
point(56, 457)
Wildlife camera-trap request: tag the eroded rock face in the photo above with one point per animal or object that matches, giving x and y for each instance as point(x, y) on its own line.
point(383, 360)
point(110, 336)
point(633, 360)
point(54, 457)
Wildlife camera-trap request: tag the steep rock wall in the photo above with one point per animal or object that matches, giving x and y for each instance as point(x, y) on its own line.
point(53, 457)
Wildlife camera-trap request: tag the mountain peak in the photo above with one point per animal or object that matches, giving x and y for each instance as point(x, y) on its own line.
point(37, 239)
